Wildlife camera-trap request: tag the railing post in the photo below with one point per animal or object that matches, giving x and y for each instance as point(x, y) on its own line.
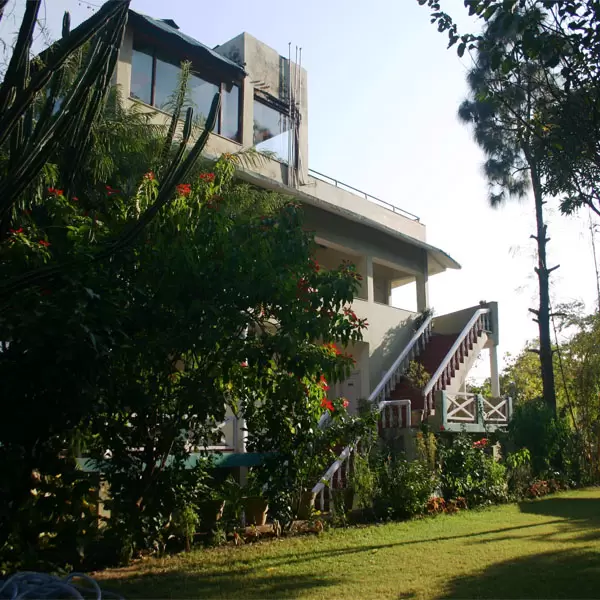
point(479, 411)
point(509, 408)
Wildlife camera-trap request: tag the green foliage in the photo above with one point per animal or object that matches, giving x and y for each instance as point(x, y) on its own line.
point(519, 473)
point(467, 471)
point(426, 447)
point(403, 487)
point(554, 448)
point(363, 481)
point(48, 520)
point(416, 375)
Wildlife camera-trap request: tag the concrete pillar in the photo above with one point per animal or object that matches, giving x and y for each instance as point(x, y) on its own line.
point(370, 283)
point(122, 73)
point(422, 292)
point(495, 375)
point(247, 99)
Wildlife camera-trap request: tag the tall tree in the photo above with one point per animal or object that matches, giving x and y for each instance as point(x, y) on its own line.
point(503, 112)
point(558, 44)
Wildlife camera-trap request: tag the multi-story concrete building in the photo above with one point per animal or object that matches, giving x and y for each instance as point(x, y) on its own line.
point(264, 106)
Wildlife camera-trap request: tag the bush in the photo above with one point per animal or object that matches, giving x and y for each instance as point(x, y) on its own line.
point(468, 472)
point(556, 451)
point(519, 472)
point(404, 488)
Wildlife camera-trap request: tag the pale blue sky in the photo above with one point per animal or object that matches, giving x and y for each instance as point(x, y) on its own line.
point(383, 93)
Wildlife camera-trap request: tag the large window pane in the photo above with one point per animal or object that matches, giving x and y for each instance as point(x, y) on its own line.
point(202, 94)
point(141, 76)
point(271, 131)
point(167, 79)
point(230, 115)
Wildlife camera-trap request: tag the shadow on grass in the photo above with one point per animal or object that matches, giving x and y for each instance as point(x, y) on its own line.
point(580, 515)
point(257, 583)
point(574, 509)
point(566, 574)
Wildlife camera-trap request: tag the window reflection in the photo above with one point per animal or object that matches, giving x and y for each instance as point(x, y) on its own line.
point(271, 130)
point(166, 81)
point(141, 76)
point(230, 115)
point(157, 89)
point(202, 94)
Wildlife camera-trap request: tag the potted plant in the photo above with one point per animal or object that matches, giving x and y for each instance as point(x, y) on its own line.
point(255, 505)
point(211, 510)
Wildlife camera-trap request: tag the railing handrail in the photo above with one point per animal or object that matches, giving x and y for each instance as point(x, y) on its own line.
point(387, 205)
point(390, 372)
point(454, 349)
point(345, 453)
point(374, 395)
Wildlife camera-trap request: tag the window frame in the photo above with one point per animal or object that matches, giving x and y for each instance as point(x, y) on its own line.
point(209, 75)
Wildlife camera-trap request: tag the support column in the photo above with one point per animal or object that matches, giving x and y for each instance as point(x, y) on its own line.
point(422, 292)
point(247, 100)
point(494, 373)
point(370, 283)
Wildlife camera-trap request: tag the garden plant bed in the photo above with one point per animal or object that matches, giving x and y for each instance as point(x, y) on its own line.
point(546, 548)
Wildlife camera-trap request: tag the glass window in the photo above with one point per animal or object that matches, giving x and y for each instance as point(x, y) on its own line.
point(141, 76)
point(166, 81)
point(230, 113)
point(202, 94)
point(271, 131)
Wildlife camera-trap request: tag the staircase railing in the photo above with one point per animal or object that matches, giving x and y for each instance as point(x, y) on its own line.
point(378, 396)
point(479, 322)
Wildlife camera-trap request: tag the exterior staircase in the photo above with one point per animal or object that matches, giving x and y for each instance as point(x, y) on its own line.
point(431, 357)
point(447, 348)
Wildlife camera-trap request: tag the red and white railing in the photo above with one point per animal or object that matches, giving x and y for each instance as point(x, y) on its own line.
point(479, 323)
point(402, 418)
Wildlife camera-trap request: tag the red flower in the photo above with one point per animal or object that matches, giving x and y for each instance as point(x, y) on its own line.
point(333, 348)
point(327, 404)
point(345, 403)
point(75, 199)
point(480, 443)
point(442, 428)
point(149, 176)
point(16, 231)
point(207, 176)
point(323, 383)
point(55, 192)
point(314, 265)
point(44, 243)
point(184, 189)
point(111, 191)
point(244, 363)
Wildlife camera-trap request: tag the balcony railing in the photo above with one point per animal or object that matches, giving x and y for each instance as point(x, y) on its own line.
point(357, 192)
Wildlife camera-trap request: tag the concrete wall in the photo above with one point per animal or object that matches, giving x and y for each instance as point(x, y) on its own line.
point(453, 322)
point(340, 197)
point(267, 71)
point(388, 333)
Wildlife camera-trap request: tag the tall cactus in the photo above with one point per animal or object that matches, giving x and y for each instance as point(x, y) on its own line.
point(66, 131)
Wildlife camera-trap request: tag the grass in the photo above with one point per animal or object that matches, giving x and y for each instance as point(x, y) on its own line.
point(548, 548)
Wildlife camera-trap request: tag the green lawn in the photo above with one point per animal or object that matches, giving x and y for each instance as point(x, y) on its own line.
point(549, 548)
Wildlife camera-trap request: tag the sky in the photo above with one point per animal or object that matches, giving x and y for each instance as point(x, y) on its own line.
point(383, 93)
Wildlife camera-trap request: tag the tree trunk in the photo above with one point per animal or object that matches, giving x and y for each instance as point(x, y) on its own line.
point(543, 274)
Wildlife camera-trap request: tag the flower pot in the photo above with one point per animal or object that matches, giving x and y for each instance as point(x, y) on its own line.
point(211, 512)
point(255, 509)
point(305, 506)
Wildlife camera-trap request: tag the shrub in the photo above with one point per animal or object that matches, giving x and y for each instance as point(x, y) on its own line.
point(404, 488)
point(556, 450)
point(468, 472)
point(519, 472)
